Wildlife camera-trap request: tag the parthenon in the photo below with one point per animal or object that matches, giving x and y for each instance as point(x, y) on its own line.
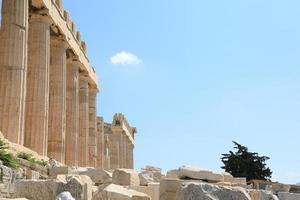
point(48, 90)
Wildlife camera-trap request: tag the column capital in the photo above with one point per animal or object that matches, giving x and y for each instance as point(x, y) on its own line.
point(39, 17)
point(93, 90)
point(59, 40)
point(73, 61)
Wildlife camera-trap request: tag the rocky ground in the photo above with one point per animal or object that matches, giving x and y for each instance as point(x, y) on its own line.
point(34, 181)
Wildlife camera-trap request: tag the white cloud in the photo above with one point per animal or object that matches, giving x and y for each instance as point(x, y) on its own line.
point(125, 58)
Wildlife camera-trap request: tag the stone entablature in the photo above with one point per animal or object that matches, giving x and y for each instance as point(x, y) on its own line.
point(63, 24)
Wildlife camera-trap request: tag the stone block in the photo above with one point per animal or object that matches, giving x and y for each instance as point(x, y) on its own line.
point(125, 177)
point(288, 196)
point(210, 192)
point(239, 182)
point(80, 187)
point(38, 189)
point(169, 188)
point(155, 172)
point(278, 187)
point(173, 174)
point(31, 174)
point(228, 177)
point(261, 195)
point(98, 176)
point(65, 170)
point(146, 178)
point(117, 192)
point(152, 190)
point(186, 172)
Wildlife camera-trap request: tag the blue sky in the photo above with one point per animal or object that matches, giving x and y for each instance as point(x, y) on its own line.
point(205, 73)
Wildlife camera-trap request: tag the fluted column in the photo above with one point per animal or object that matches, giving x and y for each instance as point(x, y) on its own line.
point(100, 143)
point(57, 100)
point(72, 112)
point(83, 139)
point(13, 61)
point(92, 127)
point(127, 153)
point(131, 161)
point(114, 150)
point(37, 97)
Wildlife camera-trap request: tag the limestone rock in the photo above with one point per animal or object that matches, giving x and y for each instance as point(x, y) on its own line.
point(63, 170)
point(239, 182)
point(278, 187)
point(80, 186)
point(288, 196)
point(169, 188)
point(125, 177)
point(64, 196)
point(116, 192)
point(146, 178)
point(199, 174)
point(151, 190)
point(228, 177)
point(208, 191)
point(38, 189)
point(262, 195)
point(173, 174)
point(13, 199)
point(155, 172)
point(98, 176)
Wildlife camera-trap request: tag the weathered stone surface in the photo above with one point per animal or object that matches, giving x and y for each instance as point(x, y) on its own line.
point(125, 177)
point(173, 174)
point(228, 177)
point(64, 196)
point(14, 199)
point(146, 178)
point(207, 191)
point(169, 188)
point(239, 182)
point(64, 170)
point(278, 187)
point(199, 174)
point(155, 172)
point(98, 176)
point(116, 192)
point(31, 174)
point(261, 195)
point(288, 196)
point(152, 190)
point(80, 186)
point(38, 189)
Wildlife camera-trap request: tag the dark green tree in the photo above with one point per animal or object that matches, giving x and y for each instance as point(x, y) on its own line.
point(243, 163)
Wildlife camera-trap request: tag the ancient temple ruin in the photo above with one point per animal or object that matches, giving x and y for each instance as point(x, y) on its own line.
point(48, 90)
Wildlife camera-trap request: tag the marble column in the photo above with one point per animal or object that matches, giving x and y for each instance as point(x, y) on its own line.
point(72, 112)
point(37, 94)
point(83, 139)
point(100, 143)
point(13, 64)
point(92, 127)
point(127, 153)
point(114, 150)
point(57, 99)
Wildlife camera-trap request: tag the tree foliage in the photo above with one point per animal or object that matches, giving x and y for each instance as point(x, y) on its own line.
point(243, 163)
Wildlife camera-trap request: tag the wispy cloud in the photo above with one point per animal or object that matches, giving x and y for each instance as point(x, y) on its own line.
point(125, 58)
